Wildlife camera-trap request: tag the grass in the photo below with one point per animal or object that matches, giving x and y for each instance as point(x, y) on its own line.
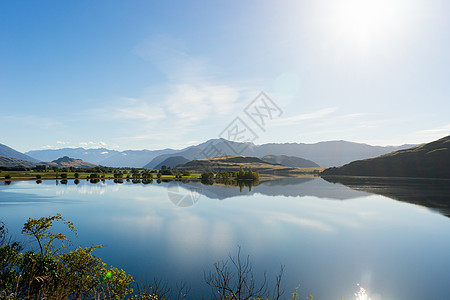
point(31, 175)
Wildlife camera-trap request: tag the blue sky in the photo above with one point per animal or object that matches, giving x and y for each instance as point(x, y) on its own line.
point(157, 74)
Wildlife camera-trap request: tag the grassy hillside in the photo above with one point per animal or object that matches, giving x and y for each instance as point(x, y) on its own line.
point(233, 163)
point(13, 162)
point(65, 162)
point(290, 161)
point(430, 160)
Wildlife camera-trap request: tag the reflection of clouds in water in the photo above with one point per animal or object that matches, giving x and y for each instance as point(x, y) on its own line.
point(304, 222)
point(151, 221)
point(193, 236)
point(99, 189)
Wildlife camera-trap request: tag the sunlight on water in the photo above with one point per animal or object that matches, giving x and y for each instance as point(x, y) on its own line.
point(362, 294)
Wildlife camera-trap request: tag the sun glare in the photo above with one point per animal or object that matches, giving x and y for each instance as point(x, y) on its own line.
point(362, 294)
point(364, 22)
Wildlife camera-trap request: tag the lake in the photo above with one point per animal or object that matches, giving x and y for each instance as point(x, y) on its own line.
point(330, 237)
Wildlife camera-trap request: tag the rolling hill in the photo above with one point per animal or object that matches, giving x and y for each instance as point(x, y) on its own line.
point(65, 162)
point(431, 160)
point(290, 161)
point(14, 162)
point(172, 162)
point(233, 163)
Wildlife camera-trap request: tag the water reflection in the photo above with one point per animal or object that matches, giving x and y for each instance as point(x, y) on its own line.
point(394, 249)
point(430, 193)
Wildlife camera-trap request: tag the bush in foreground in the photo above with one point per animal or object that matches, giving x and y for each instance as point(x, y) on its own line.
point(53, 272)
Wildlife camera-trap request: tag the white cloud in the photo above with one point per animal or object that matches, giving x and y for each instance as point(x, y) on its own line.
point(31, 120)
point(303, 117)
point(196, 102)
point(442, 130)
point(135, 109)
point(92, 145)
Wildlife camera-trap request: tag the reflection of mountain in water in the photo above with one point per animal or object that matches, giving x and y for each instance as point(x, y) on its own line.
point(430, 193)
point(288, 187)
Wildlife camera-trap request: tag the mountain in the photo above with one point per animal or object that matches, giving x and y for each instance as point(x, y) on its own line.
point(172, 162)
point(10, 152)
point(325, 154)
point(134, 158)
point(233, 163)
point(14, 162)
point(430, 160)
point(95, 156)
point(290, 161)
point(65, 162)
point(102, 156)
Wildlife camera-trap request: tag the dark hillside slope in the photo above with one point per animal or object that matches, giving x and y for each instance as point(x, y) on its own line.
point(290, 161)
point(10, 152)
point(430, 160)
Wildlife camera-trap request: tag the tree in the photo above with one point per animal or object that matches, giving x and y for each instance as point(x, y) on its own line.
point(76, 175)
point(234, 279)
point(54, 272)
point(40, 230)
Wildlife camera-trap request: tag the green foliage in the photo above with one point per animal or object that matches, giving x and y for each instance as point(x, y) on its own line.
point(166, 172)
point(7, 176)
point(76, 175)
point(54, 272)
point(40, 230)
point(58, 273)
point(247, 175)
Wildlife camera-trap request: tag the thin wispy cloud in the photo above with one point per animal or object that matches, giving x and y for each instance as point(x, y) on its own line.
point(303, 117)
point(191, 95)
point(442, 130)
point(32, 120)
point(135, 109)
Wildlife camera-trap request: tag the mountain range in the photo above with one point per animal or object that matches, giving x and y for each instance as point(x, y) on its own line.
point(62, 162)
point(325, 154)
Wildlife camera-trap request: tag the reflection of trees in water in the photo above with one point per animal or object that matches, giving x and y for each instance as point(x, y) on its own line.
point(235, 182)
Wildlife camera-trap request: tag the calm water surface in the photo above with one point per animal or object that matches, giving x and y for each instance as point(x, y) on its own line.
point(329, 237)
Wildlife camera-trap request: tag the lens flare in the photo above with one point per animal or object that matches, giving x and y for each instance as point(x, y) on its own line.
point(362, 294)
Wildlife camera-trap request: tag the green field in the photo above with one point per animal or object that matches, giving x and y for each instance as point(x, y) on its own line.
point(32, 175)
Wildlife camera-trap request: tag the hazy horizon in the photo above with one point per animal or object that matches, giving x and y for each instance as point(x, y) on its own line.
point(155, 75)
